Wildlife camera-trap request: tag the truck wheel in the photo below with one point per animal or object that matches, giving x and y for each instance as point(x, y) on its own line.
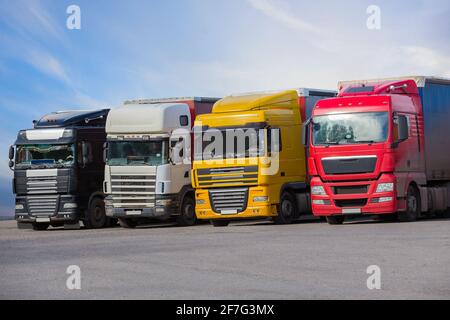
point(96, 216)
point(335, 220)
point(220, 223)
point(128, 223)
point(287, 210)
point(40, 226)
point(412, 206)
point(187, 216)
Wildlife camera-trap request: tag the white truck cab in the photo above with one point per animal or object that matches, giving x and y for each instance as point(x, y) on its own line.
point(148, 160)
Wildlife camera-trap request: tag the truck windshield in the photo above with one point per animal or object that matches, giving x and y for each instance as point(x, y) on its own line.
point(351, 128)
point(231, 143)
point(45, 155)
point(138, 153)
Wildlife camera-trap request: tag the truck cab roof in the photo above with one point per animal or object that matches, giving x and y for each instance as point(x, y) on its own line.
point(74, 118)
point(148, 118)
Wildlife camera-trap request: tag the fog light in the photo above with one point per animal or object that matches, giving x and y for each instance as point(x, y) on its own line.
point(322, 202)
point(260, 199)
point(19, 207)
point(200, 201)
point(70, 205)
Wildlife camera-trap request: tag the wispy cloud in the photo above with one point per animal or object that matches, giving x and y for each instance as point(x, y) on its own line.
point(275, 12)
point(428, 60)
point(47, 64)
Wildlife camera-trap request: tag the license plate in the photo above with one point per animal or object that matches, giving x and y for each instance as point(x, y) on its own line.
point(351, 211)
point(133, 212)
point(42, 219)
point(228, 211)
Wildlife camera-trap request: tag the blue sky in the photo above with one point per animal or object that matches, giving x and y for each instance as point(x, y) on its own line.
point(136, 48)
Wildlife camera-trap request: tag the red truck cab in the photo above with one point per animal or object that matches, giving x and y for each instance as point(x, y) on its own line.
point(367, 153)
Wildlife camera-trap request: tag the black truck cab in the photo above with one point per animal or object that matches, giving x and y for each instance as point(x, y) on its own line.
point(59, 169)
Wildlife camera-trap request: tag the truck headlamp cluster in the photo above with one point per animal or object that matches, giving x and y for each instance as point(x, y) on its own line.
point(70, 205)
point(164, 202)
point(385, 187)
point(382, 200)
point(200, 201)
point(318, 191)
point(19, 206)
point(68, 133)
point(322, 202)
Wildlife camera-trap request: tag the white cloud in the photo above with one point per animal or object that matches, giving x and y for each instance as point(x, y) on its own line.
point(47, 64)
point(427, 60)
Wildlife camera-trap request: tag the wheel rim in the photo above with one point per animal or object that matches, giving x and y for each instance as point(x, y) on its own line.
point(189, 211)
point(412, 203)
point(287, 208)
point(98, 213)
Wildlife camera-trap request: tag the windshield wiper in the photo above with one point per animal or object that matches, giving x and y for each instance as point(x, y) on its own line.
point(363, 142)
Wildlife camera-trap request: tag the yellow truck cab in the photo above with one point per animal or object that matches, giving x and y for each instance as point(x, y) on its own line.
point(249, 161)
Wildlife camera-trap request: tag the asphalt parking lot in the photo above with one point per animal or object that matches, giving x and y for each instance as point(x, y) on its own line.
point(253, 260)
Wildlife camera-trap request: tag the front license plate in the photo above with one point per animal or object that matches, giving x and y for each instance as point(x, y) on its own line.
point(134, 213)
point(228, 211)
point(42, 219)
point(351, 211)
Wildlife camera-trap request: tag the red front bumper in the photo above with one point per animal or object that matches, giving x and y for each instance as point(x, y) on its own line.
point(353, 198)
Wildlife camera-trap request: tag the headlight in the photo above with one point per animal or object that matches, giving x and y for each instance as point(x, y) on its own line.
point(200, 201)
point(318, 191)
point(68, 133)
point(382, 200)
point(385, 187)
point(164, 202)
point(70, 205)
point(19, 207)
point(260, 199)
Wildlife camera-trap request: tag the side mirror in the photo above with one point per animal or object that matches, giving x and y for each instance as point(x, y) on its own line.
point(11, 164)
point(105, 152)
point(11, 153)
point(403, 130)
point(305, 132)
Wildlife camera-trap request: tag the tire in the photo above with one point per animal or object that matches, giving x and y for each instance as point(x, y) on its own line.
point(412, 206)
point(96, 215)
point(220, 223)
point(40, 226)
point(335, 220)
point(128, 223)
point(187, 215)
point(287, 210)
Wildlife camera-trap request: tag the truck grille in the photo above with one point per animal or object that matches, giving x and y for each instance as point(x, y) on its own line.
point(133, 191)
point(229, 201)
point(245, 175)
point(41, 185)
point(349, 165)
point(350, 203)
point(42, 205)
point(350, 189)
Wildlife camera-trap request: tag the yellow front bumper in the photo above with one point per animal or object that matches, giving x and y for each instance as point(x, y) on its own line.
point(204, 209)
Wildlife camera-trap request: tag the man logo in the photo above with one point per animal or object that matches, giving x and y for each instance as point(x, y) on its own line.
point(74, 280)
point(374, 281)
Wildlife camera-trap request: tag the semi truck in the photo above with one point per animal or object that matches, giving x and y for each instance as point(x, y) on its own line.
point(58, 171)
point(249, 161)
point(381, 148)
point(148, 160)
